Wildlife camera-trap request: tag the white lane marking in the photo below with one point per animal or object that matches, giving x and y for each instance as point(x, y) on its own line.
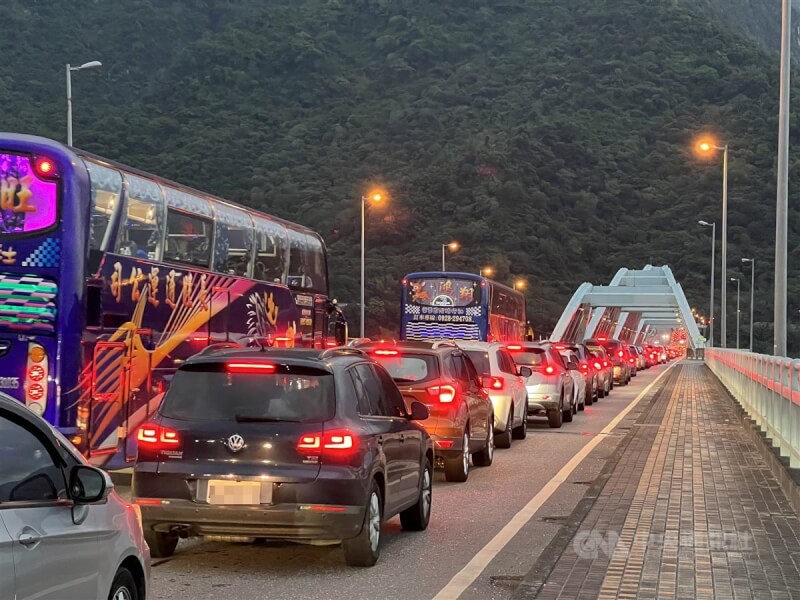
point(464, 578)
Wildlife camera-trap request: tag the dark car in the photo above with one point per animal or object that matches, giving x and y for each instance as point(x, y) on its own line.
point(441, 376)
point(618, 353)
point(283, 444)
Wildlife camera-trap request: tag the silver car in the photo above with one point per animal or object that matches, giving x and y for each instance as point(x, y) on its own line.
point(64, 531)
point(551, 390)
point(572, 361)
point(501, 378)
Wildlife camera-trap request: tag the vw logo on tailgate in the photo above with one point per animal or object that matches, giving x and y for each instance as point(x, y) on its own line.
point(235, 442)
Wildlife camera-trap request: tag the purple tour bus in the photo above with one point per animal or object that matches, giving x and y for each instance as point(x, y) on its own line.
point(111, 277)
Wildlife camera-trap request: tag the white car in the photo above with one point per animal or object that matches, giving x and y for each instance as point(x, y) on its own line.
point(503, 380)
point(64, 532)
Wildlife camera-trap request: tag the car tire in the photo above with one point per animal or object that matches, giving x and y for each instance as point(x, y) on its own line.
point(124, 586)
point(556, 417)
point(484, 457)
point(567, 414)
point(457, 469)
point(364, 549)
point(162, 545)
point(588, 400)
point(417, 517)
point(503, 440)
point(521, 432)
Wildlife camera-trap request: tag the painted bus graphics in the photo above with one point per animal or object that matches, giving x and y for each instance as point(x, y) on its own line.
point(444, 305)
point(110, 278)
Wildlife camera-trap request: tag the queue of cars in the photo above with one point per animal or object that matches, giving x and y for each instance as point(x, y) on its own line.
point(324, 446)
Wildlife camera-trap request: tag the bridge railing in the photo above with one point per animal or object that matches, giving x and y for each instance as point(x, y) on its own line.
point(768, 388)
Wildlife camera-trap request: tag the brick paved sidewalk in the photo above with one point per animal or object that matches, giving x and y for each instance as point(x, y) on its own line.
point(691, 510)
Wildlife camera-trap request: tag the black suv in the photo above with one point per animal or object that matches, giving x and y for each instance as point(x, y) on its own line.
point(283, 444)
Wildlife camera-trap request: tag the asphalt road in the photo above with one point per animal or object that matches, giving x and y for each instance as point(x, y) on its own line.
point(465, 518)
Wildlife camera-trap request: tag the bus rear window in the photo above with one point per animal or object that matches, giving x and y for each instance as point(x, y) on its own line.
point(28, 203)
point(443, 292)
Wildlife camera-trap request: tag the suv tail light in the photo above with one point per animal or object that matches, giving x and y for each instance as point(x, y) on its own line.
point(157, 437)
point(442, 393)
point(585, 366)
point(333, 445)
point(492, 383)
point(605, 363)
point(621, 353)
point(632, 360)
point(598, 366)
point(549, 370)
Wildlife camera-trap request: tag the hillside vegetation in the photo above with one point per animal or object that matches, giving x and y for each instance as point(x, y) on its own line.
point(549, 137)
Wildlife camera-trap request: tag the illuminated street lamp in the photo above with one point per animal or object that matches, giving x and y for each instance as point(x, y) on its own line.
point(93, 64)
point(453, 247)
point(520, 284)
point(706, 147)
point(487, 271)
point(375, 197)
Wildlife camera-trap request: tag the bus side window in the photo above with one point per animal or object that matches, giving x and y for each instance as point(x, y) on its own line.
point(272, 251)
point(106, 191)
point(316, 268)
point(188, 239)
point(233, 240)
point(141, 231)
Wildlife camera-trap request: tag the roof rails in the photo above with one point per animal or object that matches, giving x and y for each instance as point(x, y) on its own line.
point(330, 352)
point(214, 348)
point(439, 343)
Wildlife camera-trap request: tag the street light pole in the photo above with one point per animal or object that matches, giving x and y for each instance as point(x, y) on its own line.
point(752, 262)
point(363, 255)
point(782, 201)
point(724, 298)
point(375, 197)
point(69, 69)
point(453, 246)
point(444, 247)
point(713, 252)
point(738, 281)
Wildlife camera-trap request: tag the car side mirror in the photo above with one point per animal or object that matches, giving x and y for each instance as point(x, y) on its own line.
point(89, 485)
point(419, 412)
point(525, 372)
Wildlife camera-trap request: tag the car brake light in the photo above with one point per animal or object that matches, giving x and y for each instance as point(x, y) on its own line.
point(337, 443)
point(585, 366)
point(250, 368)
point(514, 347)
point(156, 434)
point(491, 383)
point(605, 363)
point(601, 339)
point(549, 370)
point(598, 366)
point(387, 352)
point(632, 360)
point(443, 393)
point(620, 354)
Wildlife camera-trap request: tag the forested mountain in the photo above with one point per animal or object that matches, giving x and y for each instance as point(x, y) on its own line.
point(549, 137)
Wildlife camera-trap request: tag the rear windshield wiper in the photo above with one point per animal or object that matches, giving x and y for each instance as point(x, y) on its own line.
point(254, 419)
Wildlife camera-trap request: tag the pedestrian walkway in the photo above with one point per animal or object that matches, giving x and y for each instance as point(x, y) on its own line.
point(691, 510)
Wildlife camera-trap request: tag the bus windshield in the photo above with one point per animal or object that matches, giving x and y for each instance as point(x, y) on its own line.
point(28, 203)
point(444, 292)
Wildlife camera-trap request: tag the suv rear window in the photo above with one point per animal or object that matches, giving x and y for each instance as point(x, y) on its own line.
point(208, 392)
point(410, 368)
point(532, 357)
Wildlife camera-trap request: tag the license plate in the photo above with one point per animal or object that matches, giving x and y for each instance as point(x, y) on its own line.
point(236, 492)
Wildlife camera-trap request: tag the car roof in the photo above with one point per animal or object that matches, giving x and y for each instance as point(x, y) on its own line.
point(432, 347)
point(320, 359)
point(475, 345)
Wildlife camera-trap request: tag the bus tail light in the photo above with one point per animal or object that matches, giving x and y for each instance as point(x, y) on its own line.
point(36, 379)
point(45, 168)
